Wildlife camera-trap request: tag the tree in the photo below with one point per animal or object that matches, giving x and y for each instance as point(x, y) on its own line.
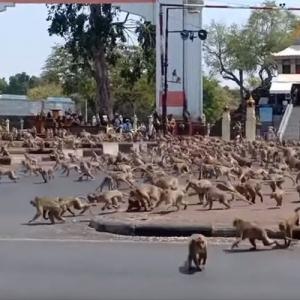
point(91, 36)
point(20, 83)
point(133, 90)
point(235, 51)
point(75, 81)
point(3, 86)
point(146, 36)
point(215, 98)
point(44, 91)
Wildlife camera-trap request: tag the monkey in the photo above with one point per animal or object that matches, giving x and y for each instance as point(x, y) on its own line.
point(122, 177)
point(67, 203)
point(109, 198)
point(73, 158)
point(47, 204)
point(85, 171)
point(253, 232)
point(287, 226)
point(163, 182)
point(175, 198)
point(68, 166)
point(95, 156)
point(122, 168)
point(109, 182)
point(135, 204)
point(147, 193)
point(47, 174)
point(181, 168)
point(10, 174)
point(214, 194)
point(277, 195)
point(32, 169)
point(200, 186)
point(32, 161)
point(197, 251)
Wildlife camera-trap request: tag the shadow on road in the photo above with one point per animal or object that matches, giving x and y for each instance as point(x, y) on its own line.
point(186, 271)
point(38, 223)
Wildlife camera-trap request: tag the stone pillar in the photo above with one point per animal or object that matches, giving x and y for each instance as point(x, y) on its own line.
point(22, 124)
point(226, 124)
point(250, 120)
point(7, 125)
point(150, 125)
point(134, 126)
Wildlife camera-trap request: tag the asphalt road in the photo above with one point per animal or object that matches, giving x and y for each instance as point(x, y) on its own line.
point(114, 270)
point(16, 211)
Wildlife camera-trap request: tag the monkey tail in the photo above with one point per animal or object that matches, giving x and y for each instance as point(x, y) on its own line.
point(297, 209)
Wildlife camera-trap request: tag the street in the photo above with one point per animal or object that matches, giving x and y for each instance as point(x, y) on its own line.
point(129, 270)
point(73, 261)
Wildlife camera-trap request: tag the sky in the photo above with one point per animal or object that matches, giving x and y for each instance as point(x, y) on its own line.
point(26, 44)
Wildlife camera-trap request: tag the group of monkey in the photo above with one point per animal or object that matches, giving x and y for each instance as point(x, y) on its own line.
point(215, 170)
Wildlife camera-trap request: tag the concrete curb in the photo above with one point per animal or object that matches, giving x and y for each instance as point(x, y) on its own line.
point(104, 224)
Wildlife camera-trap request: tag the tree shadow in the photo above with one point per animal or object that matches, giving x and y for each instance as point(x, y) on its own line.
point(275, 207)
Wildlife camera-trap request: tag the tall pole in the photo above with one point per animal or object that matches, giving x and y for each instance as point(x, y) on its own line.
point(164, 98)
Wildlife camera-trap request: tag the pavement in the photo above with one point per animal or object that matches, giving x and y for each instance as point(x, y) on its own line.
point(128, 271)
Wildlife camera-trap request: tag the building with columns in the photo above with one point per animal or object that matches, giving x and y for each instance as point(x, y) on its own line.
point(285, 86)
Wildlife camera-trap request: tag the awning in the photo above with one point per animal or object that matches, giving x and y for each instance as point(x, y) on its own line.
point(281, 87)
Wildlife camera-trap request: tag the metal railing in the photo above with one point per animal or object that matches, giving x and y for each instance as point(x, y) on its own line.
point(284, 121)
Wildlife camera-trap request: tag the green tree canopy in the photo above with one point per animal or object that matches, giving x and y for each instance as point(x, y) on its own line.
point(215, 98)
point(91, 35)
point(44, 91)
point(20, 83)
point(235, 51)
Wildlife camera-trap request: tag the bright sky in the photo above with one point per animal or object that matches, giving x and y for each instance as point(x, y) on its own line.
point(25, 43)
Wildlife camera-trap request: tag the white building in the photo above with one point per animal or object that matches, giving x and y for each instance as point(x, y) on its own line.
point(285, 86)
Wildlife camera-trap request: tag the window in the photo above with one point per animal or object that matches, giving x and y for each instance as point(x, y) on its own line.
point(297, 66)
point(286, 66)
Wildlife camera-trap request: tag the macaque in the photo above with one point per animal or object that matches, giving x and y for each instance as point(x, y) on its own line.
point(47, 174)
point(48, 205)
point(174, 198)
point(32, 161)
point(66, 203)
point(287, 226)
point(253, 232)
point(10, 174)
point(85, 171)
point(200, 186)
point(109, 182)
point(214, 194)
point(197, 251)
point(277, 195)
point(147, 193)
point(68, 166)
point(163, 182)
point(109, 198)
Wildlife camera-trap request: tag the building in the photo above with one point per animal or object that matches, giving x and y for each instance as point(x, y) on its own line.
point(285, 86)
point(21, 106)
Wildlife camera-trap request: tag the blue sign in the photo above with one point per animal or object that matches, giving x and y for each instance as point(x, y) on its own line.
point(266, 114)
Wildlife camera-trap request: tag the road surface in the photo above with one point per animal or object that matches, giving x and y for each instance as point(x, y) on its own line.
point(129, 270)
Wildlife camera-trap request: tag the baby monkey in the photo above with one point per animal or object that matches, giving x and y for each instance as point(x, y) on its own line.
point(197, 251)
